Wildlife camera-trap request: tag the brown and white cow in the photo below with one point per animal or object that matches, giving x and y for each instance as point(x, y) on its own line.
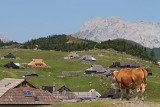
point(131, 79)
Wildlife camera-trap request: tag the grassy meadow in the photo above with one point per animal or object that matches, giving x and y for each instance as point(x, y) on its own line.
point(55, 60)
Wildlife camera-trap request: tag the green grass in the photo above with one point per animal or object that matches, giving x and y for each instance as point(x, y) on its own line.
point(59, 65)
point(99, 103)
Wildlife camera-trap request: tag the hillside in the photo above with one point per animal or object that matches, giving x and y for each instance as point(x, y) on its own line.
point(59, 43)
point(102, 29)
point(69, 43)
point(59, 65)
point(127, 47)
point(156, 50)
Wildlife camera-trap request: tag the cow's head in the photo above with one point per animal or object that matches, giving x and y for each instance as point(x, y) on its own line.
point(114, 75)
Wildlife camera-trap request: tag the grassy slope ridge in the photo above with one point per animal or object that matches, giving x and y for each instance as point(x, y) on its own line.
point(66, 43)
point(59, 65)
point(156, 50)
point(59, 43)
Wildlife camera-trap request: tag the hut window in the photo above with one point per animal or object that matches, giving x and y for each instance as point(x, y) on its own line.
point(27, 93)
point(23, 84)
point(36, 98)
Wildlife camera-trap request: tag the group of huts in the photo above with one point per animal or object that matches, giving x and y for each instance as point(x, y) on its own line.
point(20, 91)
point(98, 69)
point(17, 91)
point(33, 63)
point(67, 95)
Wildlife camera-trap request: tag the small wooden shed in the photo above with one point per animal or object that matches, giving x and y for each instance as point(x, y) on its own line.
point(95, 69)
point(37, 63)
point(87, 58)
point(31, 74)
point(114, 94)
point(115, 65)
point(12, 65)
point(10, 56)
point(129, 65)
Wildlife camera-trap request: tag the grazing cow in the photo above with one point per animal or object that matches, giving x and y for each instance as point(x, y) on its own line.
point(131, 79)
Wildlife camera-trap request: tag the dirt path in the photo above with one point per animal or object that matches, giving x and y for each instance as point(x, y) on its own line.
point(133, 104)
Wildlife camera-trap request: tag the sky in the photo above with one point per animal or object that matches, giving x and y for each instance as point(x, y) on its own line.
point(23, 20)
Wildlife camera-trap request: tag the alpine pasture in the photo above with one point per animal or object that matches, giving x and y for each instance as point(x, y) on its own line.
point(80, 82)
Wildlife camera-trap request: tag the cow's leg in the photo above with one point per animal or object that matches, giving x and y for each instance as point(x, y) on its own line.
point(127, 92)
point(138, 93)
point(121, 94)
point(143, 91)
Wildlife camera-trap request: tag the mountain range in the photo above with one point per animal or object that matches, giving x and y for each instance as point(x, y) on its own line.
point(100, 29)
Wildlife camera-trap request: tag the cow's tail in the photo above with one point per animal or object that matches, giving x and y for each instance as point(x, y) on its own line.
point(144, 80)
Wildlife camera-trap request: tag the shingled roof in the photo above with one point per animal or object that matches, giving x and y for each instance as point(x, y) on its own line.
point(73, 55)
point(92, 94)
point(31, 74)
point(115, 65)
point(37, 63)
point(20, 91)
point(16, 96)
point(63, 88)
point(114, 94)
point(96, 69)
point(129, 65)
point(10, 56)
point(87, 58)
point(8, 83)
point(12, 65)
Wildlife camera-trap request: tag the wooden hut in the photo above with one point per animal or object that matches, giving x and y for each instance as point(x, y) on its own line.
point(114, 94)
point(129, 65)
point(149, 71)
point(92, 94)
point(115, 65)
point(37, 63)
point(16, 91)
point(47, 88)
point(10, 56)
point(87, 58)
point(109, 71)
point(73, 55)
point(65, 94)
point(95, 69)
point(31, 74)
point(12, 65)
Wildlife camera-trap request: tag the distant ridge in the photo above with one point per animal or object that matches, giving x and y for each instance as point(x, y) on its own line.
point(4, 38)
point(102, 29)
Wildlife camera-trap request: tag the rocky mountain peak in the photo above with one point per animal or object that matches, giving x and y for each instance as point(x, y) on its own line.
point(101, 29)
point(4, 38)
